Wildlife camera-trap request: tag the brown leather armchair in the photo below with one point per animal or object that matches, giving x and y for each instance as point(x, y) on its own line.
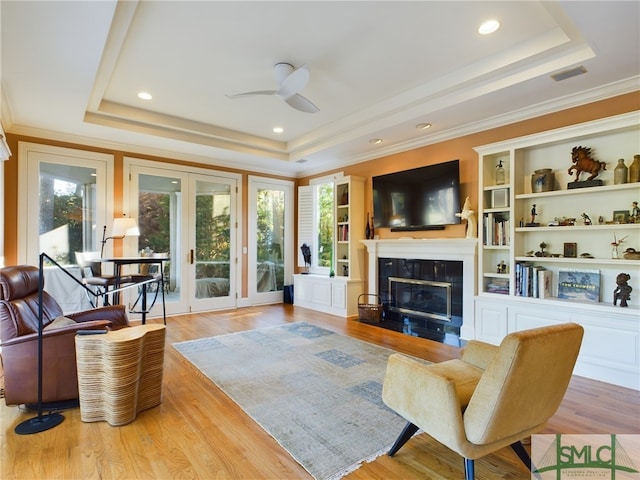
point(19, 338)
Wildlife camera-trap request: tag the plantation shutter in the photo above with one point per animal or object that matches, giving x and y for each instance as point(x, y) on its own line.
point(305, 220)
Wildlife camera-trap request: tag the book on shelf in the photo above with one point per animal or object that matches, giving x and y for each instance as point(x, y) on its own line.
point(343, 233)
point(528, 280)
point(579, 285)
point(498, 285)
point(544, 283)
point(496, 230)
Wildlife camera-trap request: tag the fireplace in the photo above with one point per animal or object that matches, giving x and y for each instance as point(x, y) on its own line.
point(427, 286)
point(421, 298)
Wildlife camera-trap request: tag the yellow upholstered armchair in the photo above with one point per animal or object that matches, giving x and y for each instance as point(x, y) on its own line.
point(491, 397)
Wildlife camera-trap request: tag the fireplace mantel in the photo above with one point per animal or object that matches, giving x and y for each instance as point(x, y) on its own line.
point(460, 249)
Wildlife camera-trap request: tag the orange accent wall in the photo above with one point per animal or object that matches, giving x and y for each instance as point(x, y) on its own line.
point(461, 148)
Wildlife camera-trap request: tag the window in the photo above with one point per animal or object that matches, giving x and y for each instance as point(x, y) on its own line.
point(69, 192)
point(323, 200)
point(316, 207)
point(67, 211)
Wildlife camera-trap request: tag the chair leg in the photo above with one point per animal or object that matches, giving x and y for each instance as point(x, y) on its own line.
point(524, 456)
point(404, 437)
point(469, 470)
point(522, 453)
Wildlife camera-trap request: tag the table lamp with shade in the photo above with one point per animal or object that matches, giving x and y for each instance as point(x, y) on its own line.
point(122, 227)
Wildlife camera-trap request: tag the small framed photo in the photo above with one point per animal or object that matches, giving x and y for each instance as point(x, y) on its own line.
point(620, 216)
point(570, 250)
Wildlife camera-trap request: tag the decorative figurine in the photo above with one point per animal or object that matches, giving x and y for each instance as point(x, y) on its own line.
point(631, 254)
point(534, 213)
point(542, 253)
point(614, 246)
point(623, 290)
point(502, 267)
point(586, 219)
point(306, 254)
point(468, 215)
point(582, 162)
point(635, 213)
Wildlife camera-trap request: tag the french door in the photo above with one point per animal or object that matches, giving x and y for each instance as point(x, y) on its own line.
point(270, 239)
point(192, 218)
point(212, 243)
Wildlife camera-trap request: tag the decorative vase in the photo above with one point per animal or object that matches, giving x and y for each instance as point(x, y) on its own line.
point(367, 229)
point(634, 170)
point(542, 180)
point(614, 252)
point(500, 174)
point(620, 173)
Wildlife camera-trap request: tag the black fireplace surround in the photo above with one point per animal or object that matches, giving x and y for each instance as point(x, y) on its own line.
point(422, 298)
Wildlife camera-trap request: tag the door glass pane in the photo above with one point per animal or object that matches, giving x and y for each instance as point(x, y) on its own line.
point(270, 240)
point(213, 237)
point(67, 217)
point(159, 207)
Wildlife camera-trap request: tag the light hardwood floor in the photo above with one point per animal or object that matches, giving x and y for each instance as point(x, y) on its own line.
point(197, 432)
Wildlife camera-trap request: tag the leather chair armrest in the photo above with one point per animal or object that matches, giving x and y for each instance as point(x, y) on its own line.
point(116, 314)
point(480, 354)
point(56, 332)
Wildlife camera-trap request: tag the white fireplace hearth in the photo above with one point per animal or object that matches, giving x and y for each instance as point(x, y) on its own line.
point(449, 249)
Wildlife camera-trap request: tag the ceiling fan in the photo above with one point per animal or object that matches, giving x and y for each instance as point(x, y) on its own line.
point(291, 81)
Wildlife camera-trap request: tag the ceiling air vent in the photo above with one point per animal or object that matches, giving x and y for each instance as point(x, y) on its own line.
point(569, 73)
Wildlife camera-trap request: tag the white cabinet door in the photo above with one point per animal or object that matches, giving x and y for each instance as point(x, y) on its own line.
point(491, 321)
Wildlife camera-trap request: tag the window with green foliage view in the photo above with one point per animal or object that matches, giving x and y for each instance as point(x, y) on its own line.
point(324, 203)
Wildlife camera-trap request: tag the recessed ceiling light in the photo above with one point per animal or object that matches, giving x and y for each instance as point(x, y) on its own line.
point(375, 141)
point(145, 95)
point(278, 129)
point(488, 26)
point(423, 126)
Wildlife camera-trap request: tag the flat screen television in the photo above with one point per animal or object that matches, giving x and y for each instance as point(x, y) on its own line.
point(424, 198)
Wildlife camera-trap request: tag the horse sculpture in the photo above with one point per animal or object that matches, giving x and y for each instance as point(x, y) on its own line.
point(582, 162)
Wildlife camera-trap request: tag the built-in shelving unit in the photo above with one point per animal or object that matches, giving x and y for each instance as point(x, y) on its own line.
point(559, 240)
point(338, 295)
point(350, 220)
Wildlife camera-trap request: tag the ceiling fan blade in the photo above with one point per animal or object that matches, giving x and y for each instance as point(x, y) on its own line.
point(250, 94)
point(301, 103)
point(295, 82)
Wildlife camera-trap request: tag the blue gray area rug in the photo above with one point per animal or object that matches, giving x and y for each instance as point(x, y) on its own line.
point(318, 393)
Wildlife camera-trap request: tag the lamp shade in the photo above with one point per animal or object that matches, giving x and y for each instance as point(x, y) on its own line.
point(125, 227)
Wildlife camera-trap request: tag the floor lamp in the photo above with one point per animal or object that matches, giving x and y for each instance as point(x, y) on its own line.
point(122, 227)
point(41, 422)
